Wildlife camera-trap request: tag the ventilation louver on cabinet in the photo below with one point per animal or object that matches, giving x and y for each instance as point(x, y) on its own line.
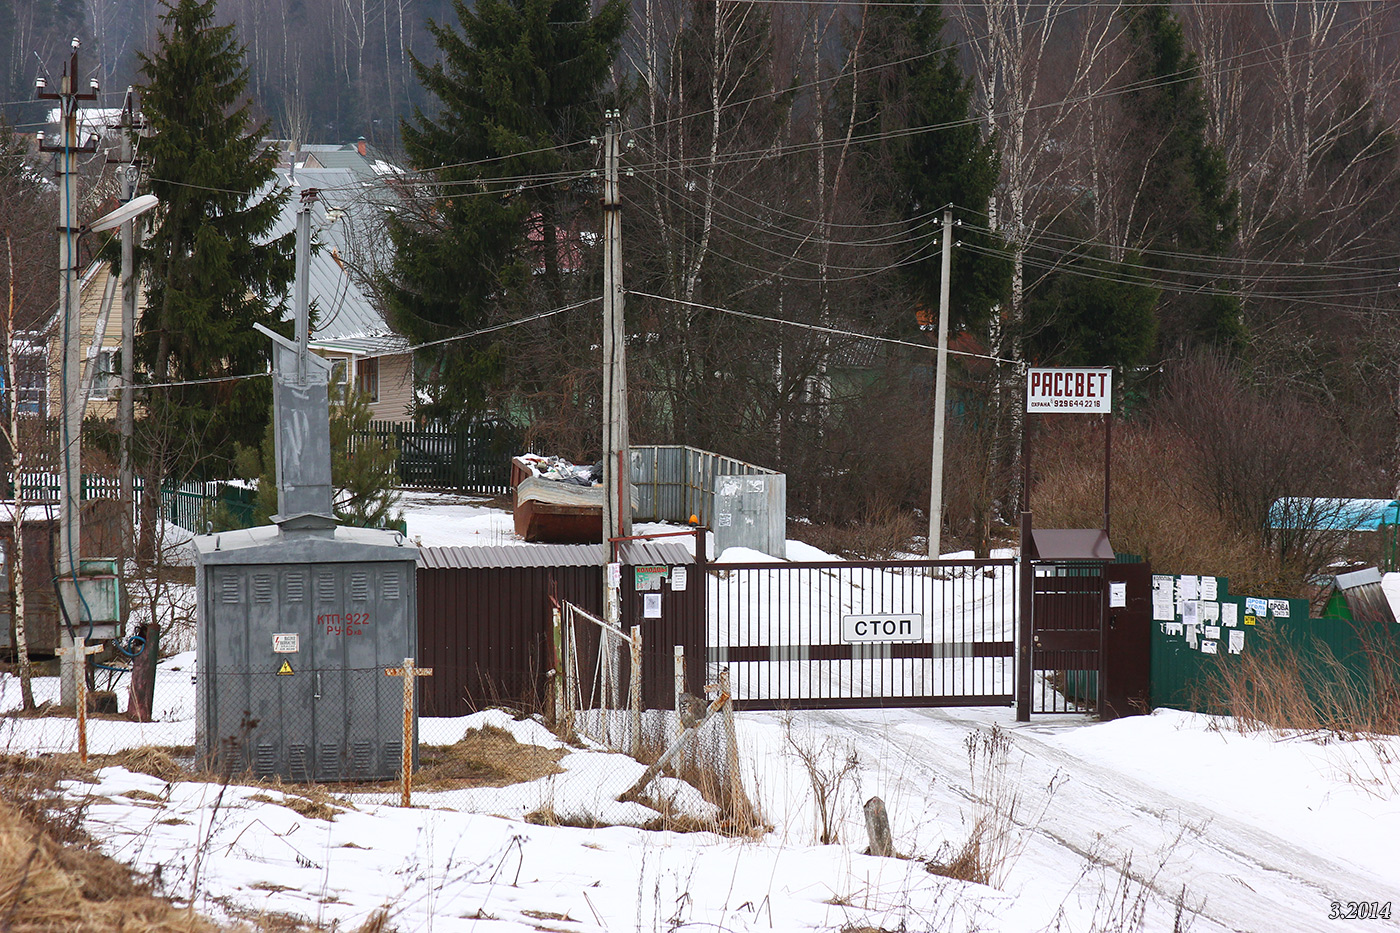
point(390, 586)
point(325, 587)
point(359, 586)
point(296, 587)
point(262, 588)
point(230, 588)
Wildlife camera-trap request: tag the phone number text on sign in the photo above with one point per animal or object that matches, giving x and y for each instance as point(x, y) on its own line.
point(1087, 391)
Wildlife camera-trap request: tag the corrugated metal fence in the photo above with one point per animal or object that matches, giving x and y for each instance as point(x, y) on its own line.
point(673, 483)
point(1204, 638)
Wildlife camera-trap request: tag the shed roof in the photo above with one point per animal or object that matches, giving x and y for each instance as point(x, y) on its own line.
point(549, 555)
point(1070, 544)
point(1333, 514)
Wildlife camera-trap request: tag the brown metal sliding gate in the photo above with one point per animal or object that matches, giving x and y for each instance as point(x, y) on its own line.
point(863, 633)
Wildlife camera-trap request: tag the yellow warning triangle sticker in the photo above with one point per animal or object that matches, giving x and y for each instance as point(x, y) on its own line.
point(286, 668)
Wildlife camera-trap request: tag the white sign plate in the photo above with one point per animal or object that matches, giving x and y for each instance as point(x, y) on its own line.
point(1069, 391)
point(286, 643)
point(890, 627)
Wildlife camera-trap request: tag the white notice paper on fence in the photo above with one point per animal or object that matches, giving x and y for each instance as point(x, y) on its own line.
point(1117, 595)
point(1189, 587)
point(1210, 612)
point(1208, 588)
point(1163, 599)
point(1278, 608)
point(1230, 614)
point(651, 605)
point(1237, 641)
point(1190, 612)
point(1210, 647)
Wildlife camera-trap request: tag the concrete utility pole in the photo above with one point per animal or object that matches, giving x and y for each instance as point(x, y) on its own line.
point(617, 470)
point(70, 434)
point(940, 394)
point(126, 406)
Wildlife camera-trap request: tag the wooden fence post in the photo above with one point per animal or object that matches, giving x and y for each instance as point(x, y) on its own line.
point(731, 741)
point(636, 691)
point(680, 686)
point(407, 672)
point(557, 642)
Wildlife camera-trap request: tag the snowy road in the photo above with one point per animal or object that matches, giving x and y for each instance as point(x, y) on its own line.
point(1238, 874)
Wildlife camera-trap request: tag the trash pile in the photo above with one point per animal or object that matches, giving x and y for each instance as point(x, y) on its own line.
point(562, 471)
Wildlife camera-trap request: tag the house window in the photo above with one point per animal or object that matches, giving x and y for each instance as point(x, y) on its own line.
point(367, 377)
point(32, 376)
point(340, 371)
point(103, 374)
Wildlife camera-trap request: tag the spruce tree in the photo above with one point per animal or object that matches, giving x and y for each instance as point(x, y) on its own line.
point(927, 152)
point(212, 269)
point(1185, 184)
point(520, 84)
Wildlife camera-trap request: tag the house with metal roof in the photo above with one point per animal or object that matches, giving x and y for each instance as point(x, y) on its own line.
point(349, 243)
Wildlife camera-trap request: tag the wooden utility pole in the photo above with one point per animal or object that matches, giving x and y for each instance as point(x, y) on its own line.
point(940, 394)
point(66, 151)
point(617, 472)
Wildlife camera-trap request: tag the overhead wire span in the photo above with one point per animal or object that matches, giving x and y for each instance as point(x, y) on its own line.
point(819, 328)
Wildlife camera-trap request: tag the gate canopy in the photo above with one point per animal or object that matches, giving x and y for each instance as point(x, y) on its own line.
point(1070, 544)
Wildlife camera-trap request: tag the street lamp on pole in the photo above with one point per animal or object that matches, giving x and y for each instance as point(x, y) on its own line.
point(66, 149)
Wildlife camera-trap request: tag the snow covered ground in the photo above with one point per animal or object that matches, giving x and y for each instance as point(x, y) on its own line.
point(1094, 826)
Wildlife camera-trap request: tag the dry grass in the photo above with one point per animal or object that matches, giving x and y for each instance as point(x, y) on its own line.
point(1000, 823)
point(486, 757)
point(1277, 687)
point(881, 533)
point(54, 880)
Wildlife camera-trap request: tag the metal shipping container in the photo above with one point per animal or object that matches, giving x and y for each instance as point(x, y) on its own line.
point(296, 628)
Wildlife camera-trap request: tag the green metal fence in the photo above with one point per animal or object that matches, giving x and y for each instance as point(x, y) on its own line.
point(474, 457)
point(191, 505)
point(1194, 646)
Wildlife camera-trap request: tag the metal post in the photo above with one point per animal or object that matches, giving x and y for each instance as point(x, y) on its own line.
point(1025, 631)
point(300, 298)
point(1107, 465)
point(940, 395)
point(75, 655)
point(408, 672)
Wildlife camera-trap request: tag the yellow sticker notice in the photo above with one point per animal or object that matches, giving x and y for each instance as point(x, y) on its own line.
point(286, 668)
point(1249, 618)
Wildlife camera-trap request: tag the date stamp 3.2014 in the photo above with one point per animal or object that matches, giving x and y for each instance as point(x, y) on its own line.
point(1359, 910)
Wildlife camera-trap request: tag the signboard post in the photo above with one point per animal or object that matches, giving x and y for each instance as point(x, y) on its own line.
point(1055, 391)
